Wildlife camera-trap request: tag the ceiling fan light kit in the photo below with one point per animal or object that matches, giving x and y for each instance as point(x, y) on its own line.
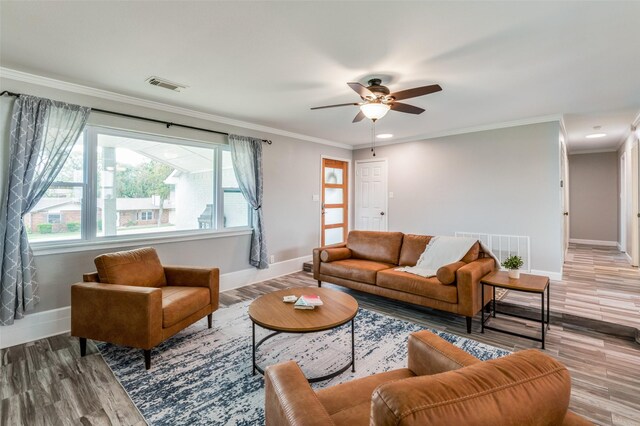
point(375, 110)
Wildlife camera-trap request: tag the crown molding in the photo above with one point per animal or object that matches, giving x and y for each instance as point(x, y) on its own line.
point(53, 83)
point(635, 123)
point(474, 129)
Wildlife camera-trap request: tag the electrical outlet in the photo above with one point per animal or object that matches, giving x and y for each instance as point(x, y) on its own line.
point(272, 259)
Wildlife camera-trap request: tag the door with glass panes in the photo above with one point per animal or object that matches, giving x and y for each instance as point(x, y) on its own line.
point(335, 197)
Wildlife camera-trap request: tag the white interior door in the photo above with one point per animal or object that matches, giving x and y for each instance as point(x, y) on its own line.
point(371, 196)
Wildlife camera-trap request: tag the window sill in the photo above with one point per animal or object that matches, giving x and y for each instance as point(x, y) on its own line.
point(57, 247)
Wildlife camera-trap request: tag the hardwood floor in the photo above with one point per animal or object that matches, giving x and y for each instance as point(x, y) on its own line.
point(46, 381)
point(598, 283)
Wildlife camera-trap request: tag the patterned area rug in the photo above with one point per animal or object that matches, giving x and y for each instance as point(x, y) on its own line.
point(203, 376)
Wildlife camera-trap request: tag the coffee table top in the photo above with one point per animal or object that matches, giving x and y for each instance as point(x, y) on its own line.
point(526, 282)
point(269, 311)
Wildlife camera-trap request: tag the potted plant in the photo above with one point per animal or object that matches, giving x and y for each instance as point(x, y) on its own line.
point(513, 264)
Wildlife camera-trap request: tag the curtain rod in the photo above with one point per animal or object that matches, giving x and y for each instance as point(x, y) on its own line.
point(153, 120)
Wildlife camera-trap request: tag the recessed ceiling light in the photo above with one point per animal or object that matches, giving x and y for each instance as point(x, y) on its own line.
point(596, 135)
point(384, 136)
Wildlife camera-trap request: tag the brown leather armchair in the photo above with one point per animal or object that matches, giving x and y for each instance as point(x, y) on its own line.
point(133, 300)
point(442, 385)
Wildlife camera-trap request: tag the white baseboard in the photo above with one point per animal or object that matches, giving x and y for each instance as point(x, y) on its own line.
point(619, 246)
point(57, 321)
point(237, 279)
point(556, 276)
point(36, 326)
point(629, 258)
point(594, 242)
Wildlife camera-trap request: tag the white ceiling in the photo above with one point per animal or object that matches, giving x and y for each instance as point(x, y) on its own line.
point(269, 62)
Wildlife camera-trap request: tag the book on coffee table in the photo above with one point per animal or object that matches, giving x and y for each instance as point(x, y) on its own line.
point(302, 304)
point(312, 299)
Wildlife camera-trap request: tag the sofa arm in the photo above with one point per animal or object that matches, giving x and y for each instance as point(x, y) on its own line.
point(431, 354)
point(525, 388)
point(317, 260)
point(289, 400)
point(195, 277)
point(468, 279)
point(120, 314)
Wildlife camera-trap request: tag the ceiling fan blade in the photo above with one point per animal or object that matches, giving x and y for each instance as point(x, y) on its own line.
point(358, 117)
point(337, 105)
point(416, 91)
point(361, 90)
point(400, 107)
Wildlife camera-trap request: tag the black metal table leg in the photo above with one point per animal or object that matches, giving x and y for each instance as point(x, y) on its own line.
point(353, 347)
point(548, 305)
point(253, 348)
point(482, 310)
point(494, 301)
point(542, 325)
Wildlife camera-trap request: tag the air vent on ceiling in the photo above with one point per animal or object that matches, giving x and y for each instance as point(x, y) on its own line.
point(161, 82)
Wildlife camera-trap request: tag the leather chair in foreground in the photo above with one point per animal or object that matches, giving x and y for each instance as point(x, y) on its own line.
point(132, 300)
point(443, 385)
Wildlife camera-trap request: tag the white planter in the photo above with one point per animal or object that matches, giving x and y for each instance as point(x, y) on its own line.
point(514, 273)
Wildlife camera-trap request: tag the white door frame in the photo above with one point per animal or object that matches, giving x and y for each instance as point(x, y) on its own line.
point(386, 194)
point(623, 202)
point(635, 204)
point(350, 189)
point(564, 198)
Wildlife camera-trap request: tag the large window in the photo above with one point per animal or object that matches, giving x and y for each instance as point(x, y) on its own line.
point(119, 184)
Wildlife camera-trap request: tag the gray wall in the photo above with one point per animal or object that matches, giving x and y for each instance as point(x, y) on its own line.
point(593, 195)
point(503, 181)
point(291, 177)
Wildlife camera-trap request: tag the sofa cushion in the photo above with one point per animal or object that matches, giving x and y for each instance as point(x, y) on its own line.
point(140, 267)
point(412, 247)
point(376, 246)
point(350, 402)
point(415, 284)
point(332, 254)
point(472, 254)
point(354, 269)
point(180, 302)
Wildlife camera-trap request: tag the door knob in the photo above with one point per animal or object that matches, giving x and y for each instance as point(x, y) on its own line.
point(381, 213)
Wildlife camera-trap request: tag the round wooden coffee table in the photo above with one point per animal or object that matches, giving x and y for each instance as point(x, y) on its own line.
point(270, 312)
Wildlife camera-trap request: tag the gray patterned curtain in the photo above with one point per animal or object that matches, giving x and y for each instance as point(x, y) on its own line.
point(42, 135)
point(246, 154)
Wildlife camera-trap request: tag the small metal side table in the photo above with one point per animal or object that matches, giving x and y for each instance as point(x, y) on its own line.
point(527, 283)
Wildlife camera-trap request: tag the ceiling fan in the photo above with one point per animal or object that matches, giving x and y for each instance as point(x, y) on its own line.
point(378, 100)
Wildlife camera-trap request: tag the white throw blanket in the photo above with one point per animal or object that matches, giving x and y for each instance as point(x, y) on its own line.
point(442, 251)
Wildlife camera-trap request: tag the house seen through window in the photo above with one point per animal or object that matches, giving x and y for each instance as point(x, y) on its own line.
point(118, 184)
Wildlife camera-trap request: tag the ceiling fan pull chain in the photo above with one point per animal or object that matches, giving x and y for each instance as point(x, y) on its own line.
point(373, 138)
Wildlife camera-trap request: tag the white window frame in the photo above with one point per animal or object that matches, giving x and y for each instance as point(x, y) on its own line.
point(144, 215)
point(88, 235)
point(55, 214)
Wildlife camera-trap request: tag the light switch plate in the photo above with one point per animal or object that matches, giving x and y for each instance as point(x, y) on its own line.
point(391, 195)
point(315, 197)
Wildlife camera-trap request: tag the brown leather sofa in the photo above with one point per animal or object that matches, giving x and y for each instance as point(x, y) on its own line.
point(367, 262)
point(442, 385)
point(132, 300)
